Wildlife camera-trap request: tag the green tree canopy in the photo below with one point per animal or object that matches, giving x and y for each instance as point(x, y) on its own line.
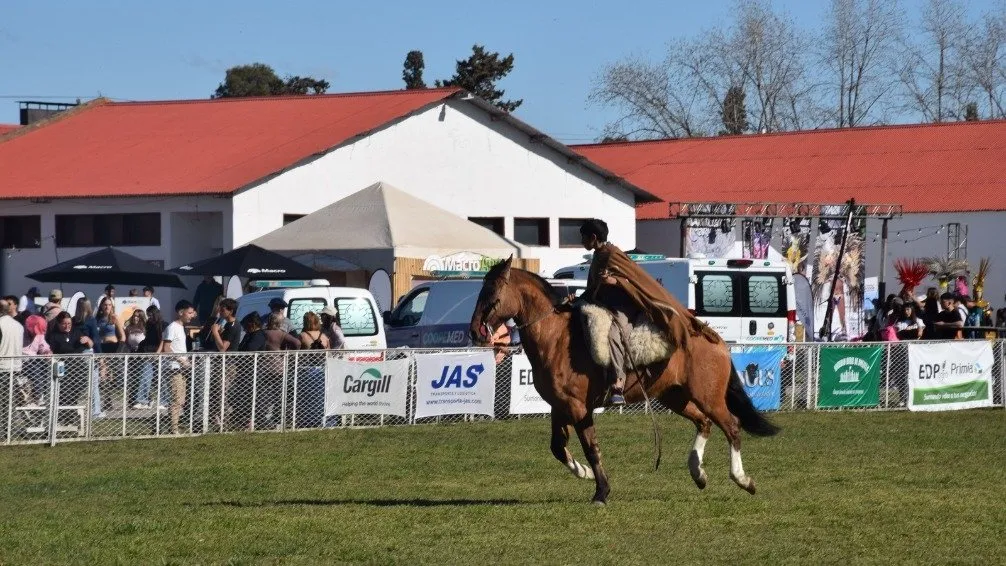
point(259, 79)
point(479, 73)
point(412, 72)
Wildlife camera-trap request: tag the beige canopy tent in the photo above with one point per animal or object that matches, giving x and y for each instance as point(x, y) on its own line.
point(381, 227)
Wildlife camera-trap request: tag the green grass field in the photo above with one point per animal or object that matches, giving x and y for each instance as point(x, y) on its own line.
point(832, 488)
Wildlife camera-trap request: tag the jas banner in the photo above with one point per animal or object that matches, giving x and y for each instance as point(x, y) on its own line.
point(759, 368)
point(366, 388)
point(950, 375)
point(524, 399)
point(849, 377)
point(455, 384)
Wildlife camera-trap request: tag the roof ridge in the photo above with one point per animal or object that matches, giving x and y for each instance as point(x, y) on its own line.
point(878, 127)
point(234, 99)
point(56, 117)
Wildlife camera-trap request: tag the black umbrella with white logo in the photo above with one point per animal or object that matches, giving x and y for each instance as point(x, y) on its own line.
point(108, 266)
point(252, 262)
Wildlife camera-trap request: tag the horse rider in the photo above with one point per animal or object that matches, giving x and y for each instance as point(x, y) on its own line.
point(617, 283)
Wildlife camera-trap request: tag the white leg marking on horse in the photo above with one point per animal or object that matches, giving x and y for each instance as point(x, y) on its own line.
point(737, 469)
point(579, 470)
point(700, 445)
point(695, 459)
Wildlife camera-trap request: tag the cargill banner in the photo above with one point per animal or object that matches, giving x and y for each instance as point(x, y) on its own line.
point(849, 377)
point(369, 388)
point(950, 375)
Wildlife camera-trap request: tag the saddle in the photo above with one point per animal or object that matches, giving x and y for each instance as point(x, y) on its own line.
point(647, 344)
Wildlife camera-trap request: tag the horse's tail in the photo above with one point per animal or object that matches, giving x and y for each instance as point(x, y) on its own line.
point(741, 406)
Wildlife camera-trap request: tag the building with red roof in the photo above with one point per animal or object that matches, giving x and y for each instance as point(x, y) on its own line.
point(179, 181)
point(940, 175)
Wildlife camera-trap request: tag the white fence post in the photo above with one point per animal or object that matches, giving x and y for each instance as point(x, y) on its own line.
point(125, 391)
point(283, 390)
point(10, 401)
point(254, 391)
point(88, 405)
point(160, 401)
point(296, 373)
point(887, 374)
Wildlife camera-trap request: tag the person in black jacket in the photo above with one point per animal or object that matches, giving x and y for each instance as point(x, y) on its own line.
point(66, 338)
point(152, 338)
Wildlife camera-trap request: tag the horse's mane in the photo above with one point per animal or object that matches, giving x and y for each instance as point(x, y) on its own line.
point(554, 296)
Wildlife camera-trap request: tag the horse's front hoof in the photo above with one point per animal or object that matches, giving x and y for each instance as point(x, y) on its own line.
point(599, 502)
point(700, 480)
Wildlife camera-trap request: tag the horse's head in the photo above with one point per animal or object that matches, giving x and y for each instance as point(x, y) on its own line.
point(498, 302)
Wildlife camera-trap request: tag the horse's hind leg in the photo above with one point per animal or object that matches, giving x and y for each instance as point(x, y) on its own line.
point(702, 428)
point(560, 438)
point(588, 440)
point(720, 415)
point(675, 400)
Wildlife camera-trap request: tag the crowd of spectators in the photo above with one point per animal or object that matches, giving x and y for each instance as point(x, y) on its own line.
point(946, 316)
point(30, 334)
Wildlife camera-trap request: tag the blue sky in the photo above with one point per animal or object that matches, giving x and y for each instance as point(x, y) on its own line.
point(180, 49)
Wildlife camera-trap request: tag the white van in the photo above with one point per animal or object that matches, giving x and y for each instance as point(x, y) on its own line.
point(744, 300)
point(358, 313)
point(437, 314)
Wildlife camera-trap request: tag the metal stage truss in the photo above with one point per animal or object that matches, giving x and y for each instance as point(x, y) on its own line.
point(778, 210)
point(770, 210)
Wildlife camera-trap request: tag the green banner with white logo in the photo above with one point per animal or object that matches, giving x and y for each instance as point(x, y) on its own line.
point(849, 377)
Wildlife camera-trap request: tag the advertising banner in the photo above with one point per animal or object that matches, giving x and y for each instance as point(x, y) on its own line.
point(124, 307)
point(949, 376)
point(451, 383)
point(366, 388)
point(524, 399)
point(849, 377)
point(760, 370)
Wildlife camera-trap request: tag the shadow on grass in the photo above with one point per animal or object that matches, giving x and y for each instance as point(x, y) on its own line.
point(380, 502)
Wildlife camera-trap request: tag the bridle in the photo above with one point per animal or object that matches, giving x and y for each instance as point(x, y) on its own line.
point(491, 307)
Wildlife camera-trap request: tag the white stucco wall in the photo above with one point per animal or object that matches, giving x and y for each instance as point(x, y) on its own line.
point(185, 237)
point(453, 156)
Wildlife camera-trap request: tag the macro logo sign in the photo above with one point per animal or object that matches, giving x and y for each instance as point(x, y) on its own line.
point(86, 267)
point(367, 388)
point(264, 270)
point(455, 383)
point(949, 375)
point(849, 377)
point(370, 382)
point(464, 264)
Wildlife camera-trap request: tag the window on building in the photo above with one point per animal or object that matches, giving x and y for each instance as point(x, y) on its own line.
point(92, 230)
point(20, 232)
point(531, 231)
point(569, 232)
point(288, 218)
point(489, 223)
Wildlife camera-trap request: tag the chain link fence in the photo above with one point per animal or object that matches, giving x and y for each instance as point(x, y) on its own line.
point(83, 397)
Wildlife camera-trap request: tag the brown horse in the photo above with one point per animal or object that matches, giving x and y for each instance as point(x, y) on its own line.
point(697, 380)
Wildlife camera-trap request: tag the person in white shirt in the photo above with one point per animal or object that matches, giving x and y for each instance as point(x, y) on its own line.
point(174, 343)
point(148, 292)
point(27, 301)
point(11, 339)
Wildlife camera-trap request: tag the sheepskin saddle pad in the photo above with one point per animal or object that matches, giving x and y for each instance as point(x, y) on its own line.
point(647, 344)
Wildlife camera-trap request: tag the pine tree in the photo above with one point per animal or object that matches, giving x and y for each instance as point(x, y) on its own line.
point(733, 114)
point(412, 73)
point(479, 74)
